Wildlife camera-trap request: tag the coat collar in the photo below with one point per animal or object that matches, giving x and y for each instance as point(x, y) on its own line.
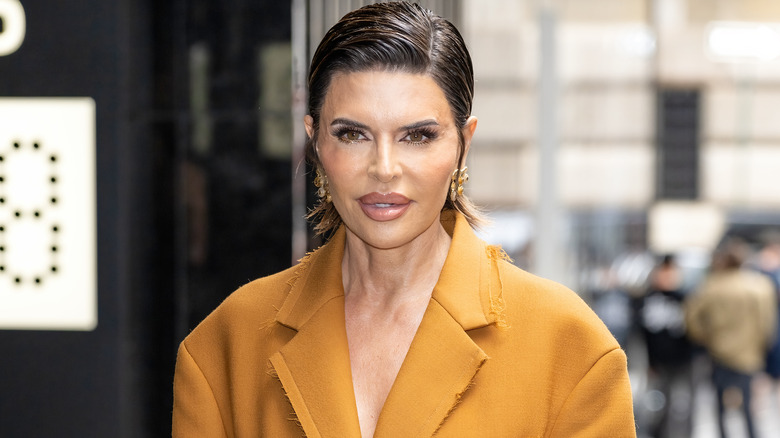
point(441, 363)
point(466, 288)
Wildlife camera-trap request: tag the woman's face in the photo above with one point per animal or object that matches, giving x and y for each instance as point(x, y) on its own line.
point(388, 144)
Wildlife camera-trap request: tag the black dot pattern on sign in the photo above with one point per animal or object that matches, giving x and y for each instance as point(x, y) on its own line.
point(7, 202)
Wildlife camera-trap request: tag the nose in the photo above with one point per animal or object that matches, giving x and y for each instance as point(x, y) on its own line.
point(385, 166)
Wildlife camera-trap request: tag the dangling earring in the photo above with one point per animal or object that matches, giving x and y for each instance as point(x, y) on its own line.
point(459, 176)
point(321, 181)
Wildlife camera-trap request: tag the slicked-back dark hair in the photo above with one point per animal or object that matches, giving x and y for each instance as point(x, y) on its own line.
point(393, 36)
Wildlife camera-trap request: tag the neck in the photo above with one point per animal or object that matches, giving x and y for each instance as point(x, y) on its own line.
point(397, 275)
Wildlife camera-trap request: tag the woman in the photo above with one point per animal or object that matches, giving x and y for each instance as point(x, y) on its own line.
point(404, 313)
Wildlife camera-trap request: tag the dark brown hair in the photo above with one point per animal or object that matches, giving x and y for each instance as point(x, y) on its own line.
point(394, 36)
point(731, 254)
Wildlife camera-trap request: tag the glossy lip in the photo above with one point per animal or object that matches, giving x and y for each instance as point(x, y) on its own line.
point(383, 207)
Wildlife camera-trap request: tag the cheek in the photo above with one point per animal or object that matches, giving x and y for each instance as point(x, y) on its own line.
point(327, 154)
point(340, 167)
point(445, 173)
point(435, 173)
point(446, 163)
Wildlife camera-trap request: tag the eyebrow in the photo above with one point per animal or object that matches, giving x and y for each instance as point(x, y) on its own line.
point(412, 126)
point(348, 122)
point(420, 124)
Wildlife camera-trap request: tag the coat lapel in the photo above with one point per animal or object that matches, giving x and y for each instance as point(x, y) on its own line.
point(443, 360)
point(438, 369)
point(314, 366)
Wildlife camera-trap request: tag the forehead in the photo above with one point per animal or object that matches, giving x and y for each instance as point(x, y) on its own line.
point(379, 93)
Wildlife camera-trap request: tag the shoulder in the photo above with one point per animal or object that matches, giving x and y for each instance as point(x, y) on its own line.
point(725, 282)
point(552, 310)
point(761, 286)
point(251, 307)
point(760, 279)
point(556, 349)
point(531, 293)
point(222, 368)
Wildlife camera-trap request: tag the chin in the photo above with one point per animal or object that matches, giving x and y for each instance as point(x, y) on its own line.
point(388, 241)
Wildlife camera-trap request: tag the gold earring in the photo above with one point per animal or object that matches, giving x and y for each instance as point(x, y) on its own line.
point(321, 181)
point(459, 176)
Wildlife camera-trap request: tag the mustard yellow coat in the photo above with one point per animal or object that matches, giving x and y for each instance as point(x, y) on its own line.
point(499, 353)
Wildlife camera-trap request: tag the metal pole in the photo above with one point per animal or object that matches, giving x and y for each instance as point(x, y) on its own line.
point(547, 255)
point(299, 66)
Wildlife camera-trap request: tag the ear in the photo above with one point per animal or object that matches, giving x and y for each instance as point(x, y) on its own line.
point(308, 123)
point(468, 132)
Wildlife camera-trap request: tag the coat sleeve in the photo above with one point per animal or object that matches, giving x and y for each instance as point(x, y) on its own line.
point(195, 410)
point(601, 404)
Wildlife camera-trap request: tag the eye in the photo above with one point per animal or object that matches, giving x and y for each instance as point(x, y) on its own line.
point(416, 137)
point(420, 136)
point(349, 135)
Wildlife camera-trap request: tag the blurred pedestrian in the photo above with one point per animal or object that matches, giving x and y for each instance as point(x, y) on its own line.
point(662, 319)
point(733, 316)
point(769, 264)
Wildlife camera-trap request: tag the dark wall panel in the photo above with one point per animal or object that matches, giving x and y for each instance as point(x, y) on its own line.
point(155, 193)
point(68, 383)
point(678, 143)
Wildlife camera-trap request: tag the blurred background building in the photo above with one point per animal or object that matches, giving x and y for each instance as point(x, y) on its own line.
point(610, 132)
point(659, 116)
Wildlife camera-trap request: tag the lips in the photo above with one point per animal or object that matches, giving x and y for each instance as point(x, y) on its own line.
point(383, 207)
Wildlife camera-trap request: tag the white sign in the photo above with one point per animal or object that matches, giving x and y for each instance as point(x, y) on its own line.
point(14, 26)
point(48, 256)
point(684, 225)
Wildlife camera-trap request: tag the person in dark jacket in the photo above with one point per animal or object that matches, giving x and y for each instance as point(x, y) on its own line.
point(662, 318)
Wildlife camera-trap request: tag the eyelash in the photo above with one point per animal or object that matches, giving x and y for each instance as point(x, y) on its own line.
point(428, 133)
point(341, 132)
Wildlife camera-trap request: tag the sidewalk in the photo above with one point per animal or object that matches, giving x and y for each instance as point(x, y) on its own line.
point(766, 402)
point(766, 411)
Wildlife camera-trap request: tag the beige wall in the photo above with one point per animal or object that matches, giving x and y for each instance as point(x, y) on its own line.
point(610, 55)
